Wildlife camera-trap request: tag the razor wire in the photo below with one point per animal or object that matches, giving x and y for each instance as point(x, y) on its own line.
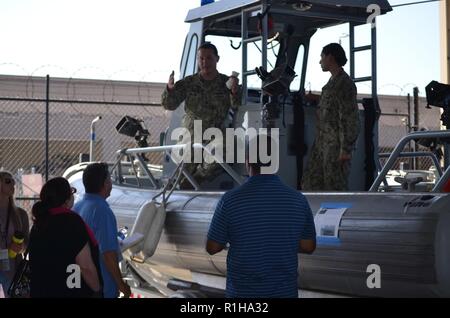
point(74, 103)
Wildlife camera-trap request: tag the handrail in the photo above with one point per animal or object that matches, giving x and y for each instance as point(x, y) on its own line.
point(134, 151)
point(139, 151)
point(398, 149)
point(415, 155)
point(177, 172)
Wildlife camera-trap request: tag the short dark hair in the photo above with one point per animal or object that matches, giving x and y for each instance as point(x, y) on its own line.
point(94, 177)
point(258, 164)
point(337, 52)
point(53, 194)
point(209, 46)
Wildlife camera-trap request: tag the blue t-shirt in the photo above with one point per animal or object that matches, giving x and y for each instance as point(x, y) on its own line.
point(98, 215)
point(263, 221)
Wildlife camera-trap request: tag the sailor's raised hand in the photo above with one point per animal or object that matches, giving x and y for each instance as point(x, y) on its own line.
point(233, 83)
point(171, 82)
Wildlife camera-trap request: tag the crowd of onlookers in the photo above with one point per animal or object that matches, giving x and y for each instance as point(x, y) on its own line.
point(73, 250)
point(65, 240)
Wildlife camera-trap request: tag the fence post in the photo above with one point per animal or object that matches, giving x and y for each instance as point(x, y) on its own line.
point(409, 128)
point(47, 124)
point(92, 142)
point(416, 123)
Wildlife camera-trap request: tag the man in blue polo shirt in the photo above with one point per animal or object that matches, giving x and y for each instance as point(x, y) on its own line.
point(266, 224)
point(96, 212)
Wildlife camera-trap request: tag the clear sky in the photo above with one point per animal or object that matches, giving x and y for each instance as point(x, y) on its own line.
point(142, 40)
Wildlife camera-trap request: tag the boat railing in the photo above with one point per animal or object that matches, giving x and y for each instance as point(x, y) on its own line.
point(139, 153)
point(397, 153)
point(418, 154)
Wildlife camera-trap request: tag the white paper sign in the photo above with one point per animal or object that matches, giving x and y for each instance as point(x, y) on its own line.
point(327, 221)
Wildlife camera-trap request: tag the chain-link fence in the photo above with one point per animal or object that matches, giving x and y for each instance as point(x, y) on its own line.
point(399, 117)
point(73, 104)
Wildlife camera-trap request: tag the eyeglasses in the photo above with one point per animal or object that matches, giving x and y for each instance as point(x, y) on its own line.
point(9, 181)
point(73, 190)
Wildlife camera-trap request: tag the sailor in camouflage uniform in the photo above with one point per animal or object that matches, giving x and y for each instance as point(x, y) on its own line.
point(206, 98)
point(337, 127)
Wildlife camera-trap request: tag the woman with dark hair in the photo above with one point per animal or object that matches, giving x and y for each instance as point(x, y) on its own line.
point(13, 222)
point(63, 250)
point(337, 126)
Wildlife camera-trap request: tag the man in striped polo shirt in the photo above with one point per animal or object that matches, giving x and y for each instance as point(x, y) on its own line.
point(266, 224)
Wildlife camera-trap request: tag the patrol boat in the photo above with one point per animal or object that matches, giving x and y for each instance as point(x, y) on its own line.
point(377, 240)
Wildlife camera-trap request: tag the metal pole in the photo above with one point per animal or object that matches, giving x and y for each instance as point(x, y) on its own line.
point(446, 155)
point(244, 36)
point(416, 122)
point(265, 35)
point(92, 143)
point(409, 112)
point(352, 49)
point(149, 174)
point(374, 67)
point(47, 126)
point(409, 126)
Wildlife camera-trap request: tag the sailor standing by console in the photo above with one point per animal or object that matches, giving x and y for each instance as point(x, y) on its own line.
point(337, 126)
point(207, 98)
